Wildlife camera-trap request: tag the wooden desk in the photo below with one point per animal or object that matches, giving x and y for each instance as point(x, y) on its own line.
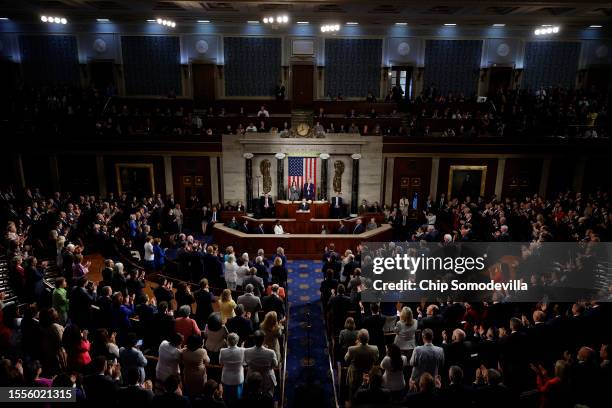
point(297, 246)
point(288, 209)
point(302, 224)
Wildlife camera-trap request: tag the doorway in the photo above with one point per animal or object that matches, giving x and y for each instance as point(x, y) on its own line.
point(203, 83)
point(598, 78)
point(401, 76)
point(500, 79)
point(302, 85)
point(102, 74)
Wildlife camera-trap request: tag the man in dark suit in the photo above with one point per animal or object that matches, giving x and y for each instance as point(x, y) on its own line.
point(274, 303)
point(304, 206)
point(514, 356)
point(433, 321)
point(213, 218)
point(374, 325)
point(266, 206)
point(441, 202)
point(338, 307)
point(239, 324)
point(260, 229)
point(173, 396)
point(359, 228)
point(308, 192)
point(244, 227)
point(256, 281)
point(349, 268)
point(100, 388)
point(213, 267)
point(133, 395)
point(204, 302)
point(336, 208)
point(341, 228)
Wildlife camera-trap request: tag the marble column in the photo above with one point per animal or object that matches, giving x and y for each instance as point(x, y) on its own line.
point(323, 195)
point(544, 177)
point(281, 194)
point(21, 181)
point(499, 180)
point(248, 161)
point(433, 180)
point(355, 184)
point(168, 180)
point(101, 176)
point(54, 169)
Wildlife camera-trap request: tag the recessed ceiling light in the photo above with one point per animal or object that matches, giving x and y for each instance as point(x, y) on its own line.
point(499, 25)
point(450, 24)
point(595, 26)
point(303, 22)
point(401, 24)
point(352, 23)
point(102, 20)
point(203, 21)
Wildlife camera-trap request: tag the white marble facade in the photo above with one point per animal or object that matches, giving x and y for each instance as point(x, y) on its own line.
point(338, 146)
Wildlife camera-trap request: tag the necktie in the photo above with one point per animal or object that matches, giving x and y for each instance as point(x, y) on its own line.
point(215, 217)
point(266, 202)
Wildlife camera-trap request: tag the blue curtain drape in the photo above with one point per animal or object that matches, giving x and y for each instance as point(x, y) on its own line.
point(550, 63)
point(352, 67)
point(49, 59)
point(453, 65)
point(151, 65)
point(252, 65)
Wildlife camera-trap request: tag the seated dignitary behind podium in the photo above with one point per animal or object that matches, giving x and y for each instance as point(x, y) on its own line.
point(359, 228)
point(304, 206)
point(266, 206)
point(308, 191)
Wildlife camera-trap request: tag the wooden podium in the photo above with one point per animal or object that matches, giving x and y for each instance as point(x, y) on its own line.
point(289, 209)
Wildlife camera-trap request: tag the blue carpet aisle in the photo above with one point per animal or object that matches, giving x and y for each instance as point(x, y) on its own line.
point(304, 279)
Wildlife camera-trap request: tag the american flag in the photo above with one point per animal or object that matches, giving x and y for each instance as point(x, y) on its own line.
point(302, 169)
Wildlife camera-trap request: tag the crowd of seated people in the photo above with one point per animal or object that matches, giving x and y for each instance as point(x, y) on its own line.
point(131, 335)
point(474, 354)
point(546, 111)
point(551, 111)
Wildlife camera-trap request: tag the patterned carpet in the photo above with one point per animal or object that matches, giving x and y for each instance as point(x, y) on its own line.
point(304, 279)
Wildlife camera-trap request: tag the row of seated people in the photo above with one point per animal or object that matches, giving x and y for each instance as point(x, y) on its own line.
point(113, 338)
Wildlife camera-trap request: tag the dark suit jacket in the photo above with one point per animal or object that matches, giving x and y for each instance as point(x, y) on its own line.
point(374, 324)
point(241, 326)
point(308, 191)
point(204, 302)
point(274, 303)
point(304, 207)
point(358, 229)
point(133, 396)
point(100, 389)
point(259, 230)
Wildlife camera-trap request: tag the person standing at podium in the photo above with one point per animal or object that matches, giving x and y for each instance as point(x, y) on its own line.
point(336, 206)
point(304, 206)
point(308, 192)
point(294, 192)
